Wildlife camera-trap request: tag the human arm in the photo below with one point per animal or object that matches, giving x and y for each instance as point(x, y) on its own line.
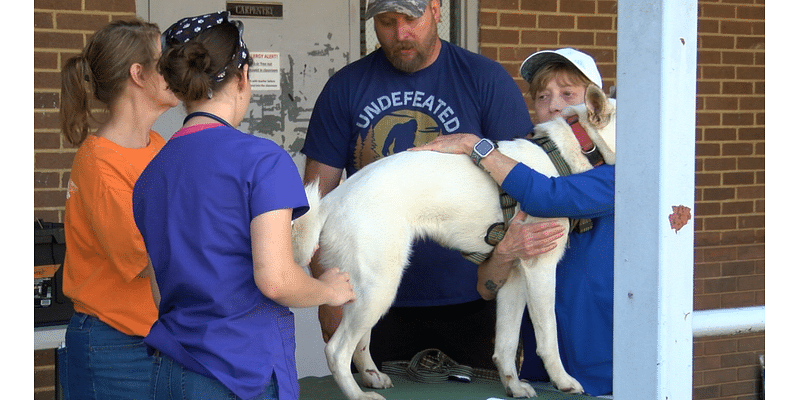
point(327, 149)
point(588, 194)
point(149, 273)
point(328, 177)
point(495, 163)
point(280, 278)
point(522, 240)
point(108, 208)
point(585, 195)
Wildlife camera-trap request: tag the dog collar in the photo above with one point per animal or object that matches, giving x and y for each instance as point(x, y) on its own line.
point(587, 146)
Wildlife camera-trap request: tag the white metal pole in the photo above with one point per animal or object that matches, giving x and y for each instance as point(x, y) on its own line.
point(656, 88)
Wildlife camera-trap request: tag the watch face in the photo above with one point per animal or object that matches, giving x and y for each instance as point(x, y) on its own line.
point(483, 147)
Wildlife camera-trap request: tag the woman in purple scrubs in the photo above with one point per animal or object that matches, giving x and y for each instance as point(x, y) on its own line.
point(215, 208)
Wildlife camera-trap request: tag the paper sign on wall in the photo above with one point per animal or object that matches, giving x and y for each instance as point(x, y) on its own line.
point(265, 73)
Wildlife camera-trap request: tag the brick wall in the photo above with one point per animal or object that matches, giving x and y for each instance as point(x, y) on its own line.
point(730, 192)
point(729, 200)
point(44, 375)
point(510, 30)
point(61, 29)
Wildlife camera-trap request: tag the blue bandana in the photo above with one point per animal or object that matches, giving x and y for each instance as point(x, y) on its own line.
point(188, 28)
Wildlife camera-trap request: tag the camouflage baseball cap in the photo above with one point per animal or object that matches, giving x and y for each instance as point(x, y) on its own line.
point(414, 8)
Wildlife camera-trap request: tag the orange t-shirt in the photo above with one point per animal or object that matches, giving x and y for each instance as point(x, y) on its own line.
point(105, 252)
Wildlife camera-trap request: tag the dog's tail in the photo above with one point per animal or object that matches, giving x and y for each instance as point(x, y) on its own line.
point(307, 228)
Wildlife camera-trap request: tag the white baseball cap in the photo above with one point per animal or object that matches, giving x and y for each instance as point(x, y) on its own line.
point(582, 61)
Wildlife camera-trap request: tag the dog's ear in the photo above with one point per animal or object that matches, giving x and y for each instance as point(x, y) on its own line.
point(597, 105)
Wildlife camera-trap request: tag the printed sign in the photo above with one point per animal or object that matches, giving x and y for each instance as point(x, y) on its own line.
point(265, 73)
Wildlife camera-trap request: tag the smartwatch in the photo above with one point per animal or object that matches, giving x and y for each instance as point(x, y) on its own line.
point(481, 150)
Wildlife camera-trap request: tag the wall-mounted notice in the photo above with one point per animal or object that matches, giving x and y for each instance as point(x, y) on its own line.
point(265, 73)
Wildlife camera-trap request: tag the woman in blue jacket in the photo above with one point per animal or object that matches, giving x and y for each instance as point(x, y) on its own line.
point(585, 276)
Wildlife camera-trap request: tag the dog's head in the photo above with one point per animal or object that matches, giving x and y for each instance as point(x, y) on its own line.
point(598, 117)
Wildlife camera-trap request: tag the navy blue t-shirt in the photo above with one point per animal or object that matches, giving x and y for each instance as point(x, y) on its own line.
point(369, 110)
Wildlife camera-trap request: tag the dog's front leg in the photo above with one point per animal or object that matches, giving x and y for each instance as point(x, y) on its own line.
point(511, 301)
point(541, 289)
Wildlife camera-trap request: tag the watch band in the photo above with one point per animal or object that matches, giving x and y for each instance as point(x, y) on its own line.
point(483, 148)
point(476, 158)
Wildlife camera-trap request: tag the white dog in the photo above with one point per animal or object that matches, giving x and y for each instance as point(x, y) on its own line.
point(366, 226)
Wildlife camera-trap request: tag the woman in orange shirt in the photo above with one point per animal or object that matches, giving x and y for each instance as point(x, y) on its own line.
point(104, 356)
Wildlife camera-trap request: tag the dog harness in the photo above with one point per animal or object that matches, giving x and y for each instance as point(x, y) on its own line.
point(497, 231)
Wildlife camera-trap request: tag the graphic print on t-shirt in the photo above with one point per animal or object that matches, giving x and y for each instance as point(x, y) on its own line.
point(395, 132)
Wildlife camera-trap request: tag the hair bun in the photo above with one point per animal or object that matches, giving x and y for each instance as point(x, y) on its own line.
point(203, 63)
point(197, 57)
point(187, 67)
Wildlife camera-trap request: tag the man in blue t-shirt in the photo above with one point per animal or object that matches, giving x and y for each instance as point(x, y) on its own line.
point(412, 89)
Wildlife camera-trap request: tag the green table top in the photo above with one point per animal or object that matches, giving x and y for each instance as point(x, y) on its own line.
point(325, 388)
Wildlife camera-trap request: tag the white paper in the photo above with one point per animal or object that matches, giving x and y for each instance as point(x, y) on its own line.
point(265, 73)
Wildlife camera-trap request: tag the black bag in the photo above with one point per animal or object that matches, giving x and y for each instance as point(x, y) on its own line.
point(50, 306)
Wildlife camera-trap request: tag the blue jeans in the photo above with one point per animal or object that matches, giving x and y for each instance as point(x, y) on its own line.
point(100, 362)
point(171, 381)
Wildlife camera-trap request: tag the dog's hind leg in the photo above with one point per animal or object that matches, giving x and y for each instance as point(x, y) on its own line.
point(341, 349)
point(510, 305)
point(541, 289)
point(352, 337)
point(370, 375)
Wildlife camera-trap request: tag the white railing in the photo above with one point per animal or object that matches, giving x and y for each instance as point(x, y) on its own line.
point(730, 321)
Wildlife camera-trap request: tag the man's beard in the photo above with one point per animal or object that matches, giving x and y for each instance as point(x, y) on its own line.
point(415, 63)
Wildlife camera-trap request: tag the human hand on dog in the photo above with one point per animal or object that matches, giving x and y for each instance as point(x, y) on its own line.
point(457, 143)
point(525, 240)
point(339, 283)
point(330, 314)
point(522, 240)
point(495, 163)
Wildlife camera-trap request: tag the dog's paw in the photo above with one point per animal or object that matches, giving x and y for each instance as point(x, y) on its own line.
point(376, 379)
point(519, 389)
point(568, 384)
point(371, 396)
